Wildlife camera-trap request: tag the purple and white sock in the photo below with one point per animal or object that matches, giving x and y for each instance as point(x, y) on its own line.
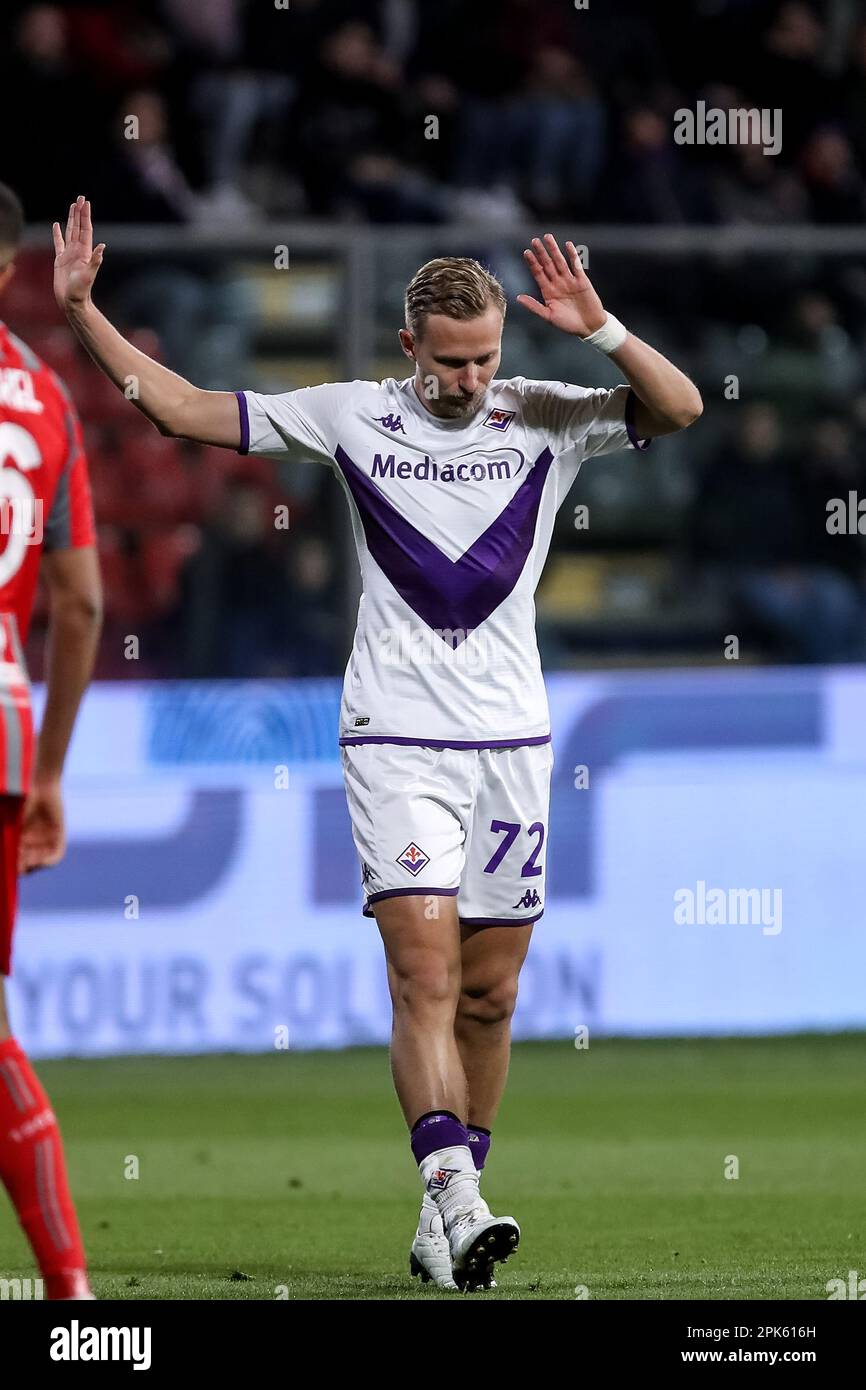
point(479, 1144)
point(438, 1129)
point(440, 1144)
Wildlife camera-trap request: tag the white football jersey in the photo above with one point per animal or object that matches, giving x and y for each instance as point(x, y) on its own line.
point(452, 520)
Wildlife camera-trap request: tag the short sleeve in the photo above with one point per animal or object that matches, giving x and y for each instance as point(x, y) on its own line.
point(70, 520)
point(297, 425)
point(585, 421)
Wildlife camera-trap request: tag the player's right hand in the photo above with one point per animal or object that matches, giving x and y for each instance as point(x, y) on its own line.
point(75, 263)
point(43, 831)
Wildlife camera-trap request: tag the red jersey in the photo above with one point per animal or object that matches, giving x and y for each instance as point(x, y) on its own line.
point(44, 504)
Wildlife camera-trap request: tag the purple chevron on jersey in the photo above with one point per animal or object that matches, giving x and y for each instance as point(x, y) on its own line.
point(453, 596)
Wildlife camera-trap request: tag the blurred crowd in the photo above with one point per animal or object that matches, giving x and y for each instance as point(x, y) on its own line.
point(423, 110)
point(752, 519)
point(763, 536)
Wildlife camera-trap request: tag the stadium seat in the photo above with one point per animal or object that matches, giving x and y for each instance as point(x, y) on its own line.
point(28, 298)
point(158, 479)
point(163, 556)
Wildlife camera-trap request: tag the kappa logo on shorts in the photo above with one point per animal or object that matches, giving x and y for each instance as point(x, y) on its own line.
point(413, 859)
point(528, 900)
point(440, 1179)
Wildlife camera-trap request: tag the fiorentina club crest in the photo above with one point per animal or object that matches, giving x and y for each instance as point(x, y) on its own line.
point(413, 859)
point(440, 1179)
point(499, 419)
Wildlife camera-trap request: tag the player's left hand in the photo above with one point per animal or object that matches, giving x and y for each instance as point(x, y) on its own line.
point(570, 302)
point(43, 833)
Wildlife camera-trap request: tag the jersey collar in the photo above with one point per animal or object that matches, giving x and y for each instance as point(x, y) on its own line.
point(408, 393)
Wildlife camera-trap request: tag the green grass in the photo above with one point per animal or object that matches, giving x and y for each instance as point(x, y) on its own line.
point(294, 1170)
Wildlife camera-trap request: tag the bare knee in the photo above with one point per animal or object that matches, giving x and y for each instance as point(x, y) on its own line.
point(5, 1026)
point(429, 988)
point(424, 961)
point(488, 1002)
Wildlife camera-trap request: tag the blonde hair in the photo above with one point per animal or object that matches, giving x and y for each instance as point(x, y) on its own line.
point(456, 286)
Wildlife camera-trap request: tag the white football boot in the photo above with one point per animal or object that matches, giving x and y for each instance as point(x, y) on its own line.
point(430, 1256)
point(477, 1241)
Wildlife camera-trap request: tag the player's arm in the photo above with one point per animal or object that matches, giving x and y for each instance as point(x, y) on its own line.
point(174, 405)
point(75, 619)
point(666, 399)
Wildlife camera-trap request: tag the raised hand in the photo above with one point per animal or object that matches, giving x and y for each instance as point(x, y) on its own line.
point(570, 302)
point(75, 263)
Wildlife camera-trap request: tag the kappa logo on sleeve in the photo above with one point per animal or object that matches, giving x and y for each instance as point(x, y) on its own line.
point(499, 419)
point(413, 859)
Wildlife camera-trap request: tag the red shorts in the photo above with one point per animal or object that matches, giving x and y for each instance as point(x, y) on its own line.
point(11, 808)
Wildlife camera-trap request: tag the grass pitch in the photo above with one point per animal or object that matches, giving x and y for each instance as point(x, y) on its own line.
point(290, 1175)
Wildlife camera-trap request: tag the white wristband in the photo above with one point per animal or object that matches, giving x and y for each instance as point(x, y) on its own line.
point(609, 337)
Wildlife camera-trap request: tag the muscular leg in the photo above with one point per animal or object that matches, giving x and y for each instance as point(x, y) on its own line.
point(491, 962)
point(422, 946)
point(33, 1170)
point(424, 952)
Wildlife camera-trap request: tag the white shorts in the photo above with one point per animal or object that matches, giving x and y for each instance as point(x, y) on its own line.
point(469, 823)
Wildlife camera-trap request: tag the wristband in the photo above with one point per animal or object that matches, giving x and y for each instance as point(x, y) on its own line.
point(609, 337)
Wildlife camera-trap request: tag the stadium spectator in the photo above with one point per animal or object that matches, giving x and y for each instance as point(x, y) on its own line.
point(558, 135)
point(815, 357)
point(647, 179)
point(140, 179)
point(854, 87)
point(321, 108)
point(837, 192)
point(233, 612)
point(311, 636)
point(38, 73)
point(833, 468)
point(786, 71)
point(752, 531)
point(200, 318)
point(117, 46)
point(349, 106)
point(230, 87)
